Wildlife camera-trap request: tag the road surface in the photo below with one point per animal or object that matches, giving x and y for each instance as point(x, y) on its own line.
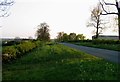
point(113, 56)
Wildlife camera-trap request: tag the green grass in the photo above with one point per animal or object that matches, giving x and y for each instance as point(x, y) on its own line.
point(58, 62)
point(114, 47)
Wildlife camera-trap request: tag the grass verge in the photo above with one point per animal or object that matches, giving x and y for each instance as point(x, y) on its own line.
point(58, 62)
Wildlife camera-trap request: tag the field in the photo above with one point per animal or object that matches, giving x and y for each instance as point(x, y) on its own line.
point(58, 62)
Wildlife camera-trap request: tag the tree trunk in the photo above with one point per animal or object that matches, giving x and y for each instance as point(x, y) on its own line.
point(97, 34)
point(119, 25)
point(117, 5)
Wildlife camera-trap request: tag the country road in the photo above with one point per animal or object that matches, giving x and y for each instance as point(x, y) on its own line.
point(113, 56)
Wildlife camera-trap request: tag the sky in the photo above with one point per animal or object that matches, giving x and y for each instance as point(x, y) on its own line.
point(61, 15)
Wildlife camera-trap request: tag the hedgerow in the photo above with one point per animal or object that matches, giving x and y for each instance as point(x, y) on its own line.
point(12, 52)
point(9, 53)
point(106, 41)
point(103, 44)
point(98, 41)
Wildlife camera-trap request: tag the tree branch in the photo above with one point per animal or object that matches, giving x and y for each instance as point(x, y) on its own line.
point(103, 7)
point(4, 7)
point(108, 3)
point(108, 13)
point(5, 3)
point(5, 15)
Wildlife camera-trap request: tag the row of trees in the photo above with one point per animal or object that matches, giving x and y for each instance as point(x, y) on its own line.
point(44, 35)
point(71, 37)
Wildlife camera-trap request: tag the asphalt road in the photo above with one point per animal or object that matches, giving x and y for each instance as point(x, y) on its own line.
point(113, 56)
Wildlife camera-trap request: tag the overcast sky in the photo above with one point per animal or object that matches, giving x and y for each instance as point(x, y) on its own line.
point(61, 15)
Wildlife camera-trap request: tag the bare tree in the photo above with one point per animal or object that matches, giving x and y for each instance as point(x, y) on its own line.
point(4, 7)
point(96, 21)
point(117, 5)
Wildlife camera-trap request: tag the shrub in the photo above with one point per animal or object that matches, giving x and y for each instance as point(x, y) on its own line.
point(99, 41)
point(25, 47)
point(105, 41)
point(12, 52)
point(37, 43)
point(9, 53)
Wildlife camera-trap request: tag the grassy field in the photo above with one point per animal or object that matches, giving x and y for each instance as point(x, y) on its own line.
point(58, 62)
point(114, 47)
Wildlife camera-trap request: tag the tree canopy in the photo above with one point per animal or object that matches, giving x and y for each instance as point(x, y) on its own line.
point(43, 32)
point(69, 37)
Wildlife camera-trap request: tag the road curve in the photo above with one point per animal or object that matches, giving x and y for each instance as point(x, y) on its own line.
point(113, 56)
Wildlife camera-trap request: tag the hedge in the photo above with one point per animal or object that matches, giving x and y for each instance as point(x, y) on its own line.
point(9, 52)
point(12, 52)
point(106, 41)
point(97, 41)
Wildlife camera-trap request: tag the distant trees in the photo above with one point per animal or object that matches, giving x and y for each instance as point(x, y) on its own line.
point(30, 38)
point(71, 37)
point(43, 32)
point(65, 37)
point(4, 6)
point(80, 37)
point(17, 38)
point(60, 36)
point(96, 21)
